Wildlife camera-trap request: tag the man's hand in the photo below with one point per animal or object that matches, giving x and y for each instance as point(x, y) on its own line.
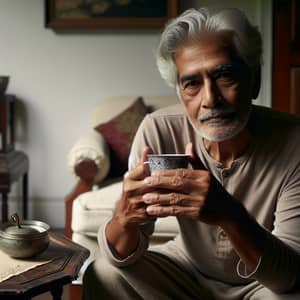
point(131, 209)
point(194, 193)
point(122, 232)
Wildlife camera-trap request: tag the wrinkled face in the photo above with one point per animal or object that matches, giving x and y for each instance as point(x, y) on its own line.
point(215, 87)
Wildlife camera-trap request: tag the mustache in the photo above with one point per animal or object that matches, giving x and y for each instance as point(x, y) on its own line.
point(216, 112)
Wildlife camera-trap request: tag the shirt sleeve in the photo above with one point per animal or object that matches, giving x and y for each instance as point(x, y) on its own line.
point(279, 266)
point(110, 254)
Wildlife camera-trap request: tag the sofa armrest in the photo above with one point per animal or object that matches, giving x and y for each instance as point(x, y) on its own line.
point(81, 187)
point(89, 158)
point(86, 169)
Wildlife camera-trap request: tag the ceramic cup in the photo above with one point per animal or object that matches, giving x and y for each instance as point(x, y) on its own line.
point(167, 161)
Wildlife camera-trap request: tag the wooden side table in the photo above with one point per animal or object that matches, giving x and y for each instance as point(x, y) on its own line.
point(13, 164)
point(51, 276)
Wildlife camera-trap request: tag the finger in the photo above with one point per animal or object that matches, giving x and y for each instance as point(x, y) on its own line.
point(189, 149)
point(136, 201)
point(135, 187)
point(139, 216)
point(145, 162)
point(183, 173)
point(174, 210)
point(141, 170)
point(133, 211)
point(145, 152)
point(178, 183)
point(194, 160)
point(166, 199)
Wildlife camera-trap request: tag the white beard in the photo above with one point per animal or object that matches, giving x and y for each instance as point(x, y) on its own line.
point(225, 132)
point(222, 131)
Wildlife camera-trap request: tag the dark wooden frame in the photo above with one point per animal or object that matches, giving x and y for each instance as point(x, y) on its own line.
point(52, 21)
point(286, 58)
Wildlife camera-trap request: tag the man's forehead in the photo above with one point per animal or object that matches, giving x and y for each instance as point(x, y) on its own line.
point(224, 38)
point(209, 52)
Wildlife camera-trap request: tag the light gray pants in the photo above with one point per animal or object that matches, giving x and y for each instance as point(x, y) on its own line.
point(157, 277)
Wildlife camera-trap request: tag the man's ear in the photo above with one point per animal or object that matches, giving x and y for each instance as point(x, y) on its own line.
point(256, 82)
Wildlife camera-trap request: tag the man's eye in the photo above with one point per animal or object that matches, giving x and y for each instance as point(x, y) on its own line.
point(191, 84)
point(226, 77)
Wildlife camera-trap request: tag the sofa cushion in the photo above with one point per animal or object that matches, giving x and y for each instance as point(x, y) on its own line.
point(93, 208)
point(119, 133)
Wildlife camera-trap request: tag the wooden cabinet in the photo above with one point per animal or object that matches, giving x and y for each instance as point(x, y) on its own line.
point(286, 58)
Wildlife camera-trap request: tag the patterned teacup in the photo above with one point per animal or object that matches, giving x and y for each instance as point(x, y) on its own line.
point(167, 161)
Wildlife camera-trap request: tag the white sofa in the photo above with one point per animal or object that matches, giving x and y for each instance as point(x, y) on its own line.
point(93, 199)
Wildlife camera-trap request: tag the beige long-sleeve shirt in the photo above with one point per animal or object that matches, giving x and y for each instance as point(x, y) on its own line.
point(266, 179)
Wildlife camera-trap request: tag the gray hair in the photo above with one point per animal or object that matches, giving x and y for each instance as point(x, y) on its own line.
point(191, 23)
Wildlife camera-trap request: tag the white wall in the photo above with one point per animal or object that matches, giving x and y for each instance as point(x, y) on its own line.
point(59, 77)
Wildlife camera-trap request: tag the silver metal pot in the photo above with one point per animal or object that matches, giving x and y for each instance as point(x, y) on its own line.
point(25, 239)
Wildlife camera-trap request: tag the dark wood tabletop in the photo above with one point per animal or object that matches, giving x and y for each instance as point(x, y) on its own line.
point(51, 276)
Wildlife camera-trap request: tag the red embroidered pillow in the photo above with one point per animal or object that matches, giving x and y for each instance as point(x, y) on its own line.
point(119, 133)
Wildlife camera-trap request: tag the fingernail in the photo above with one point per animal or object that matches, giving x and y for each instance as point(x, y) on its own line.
point(151, 210)
point(149, 198)
point(148, 180)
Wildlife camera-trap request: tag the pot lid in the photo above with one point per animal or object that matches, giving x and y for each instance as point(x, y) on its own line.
point(24, 230)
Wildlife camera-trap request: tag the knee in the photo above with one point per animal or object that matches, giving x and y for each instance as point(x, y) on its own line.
point(264, 294)
point(89, 275)
point(95, 284)
point(100, 273)
point(102, 280)
point(88, 281)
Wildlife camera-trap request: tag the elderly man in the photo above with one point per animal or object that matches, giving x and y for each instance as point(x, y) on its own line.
point(238, 205)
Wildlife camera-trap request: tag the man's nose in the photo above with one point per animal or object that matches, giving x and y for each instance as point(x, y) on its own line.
point(211, 95)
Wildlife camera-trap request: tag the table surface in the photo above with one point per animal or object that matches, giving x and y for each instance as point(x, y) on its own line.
point(50, 276)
